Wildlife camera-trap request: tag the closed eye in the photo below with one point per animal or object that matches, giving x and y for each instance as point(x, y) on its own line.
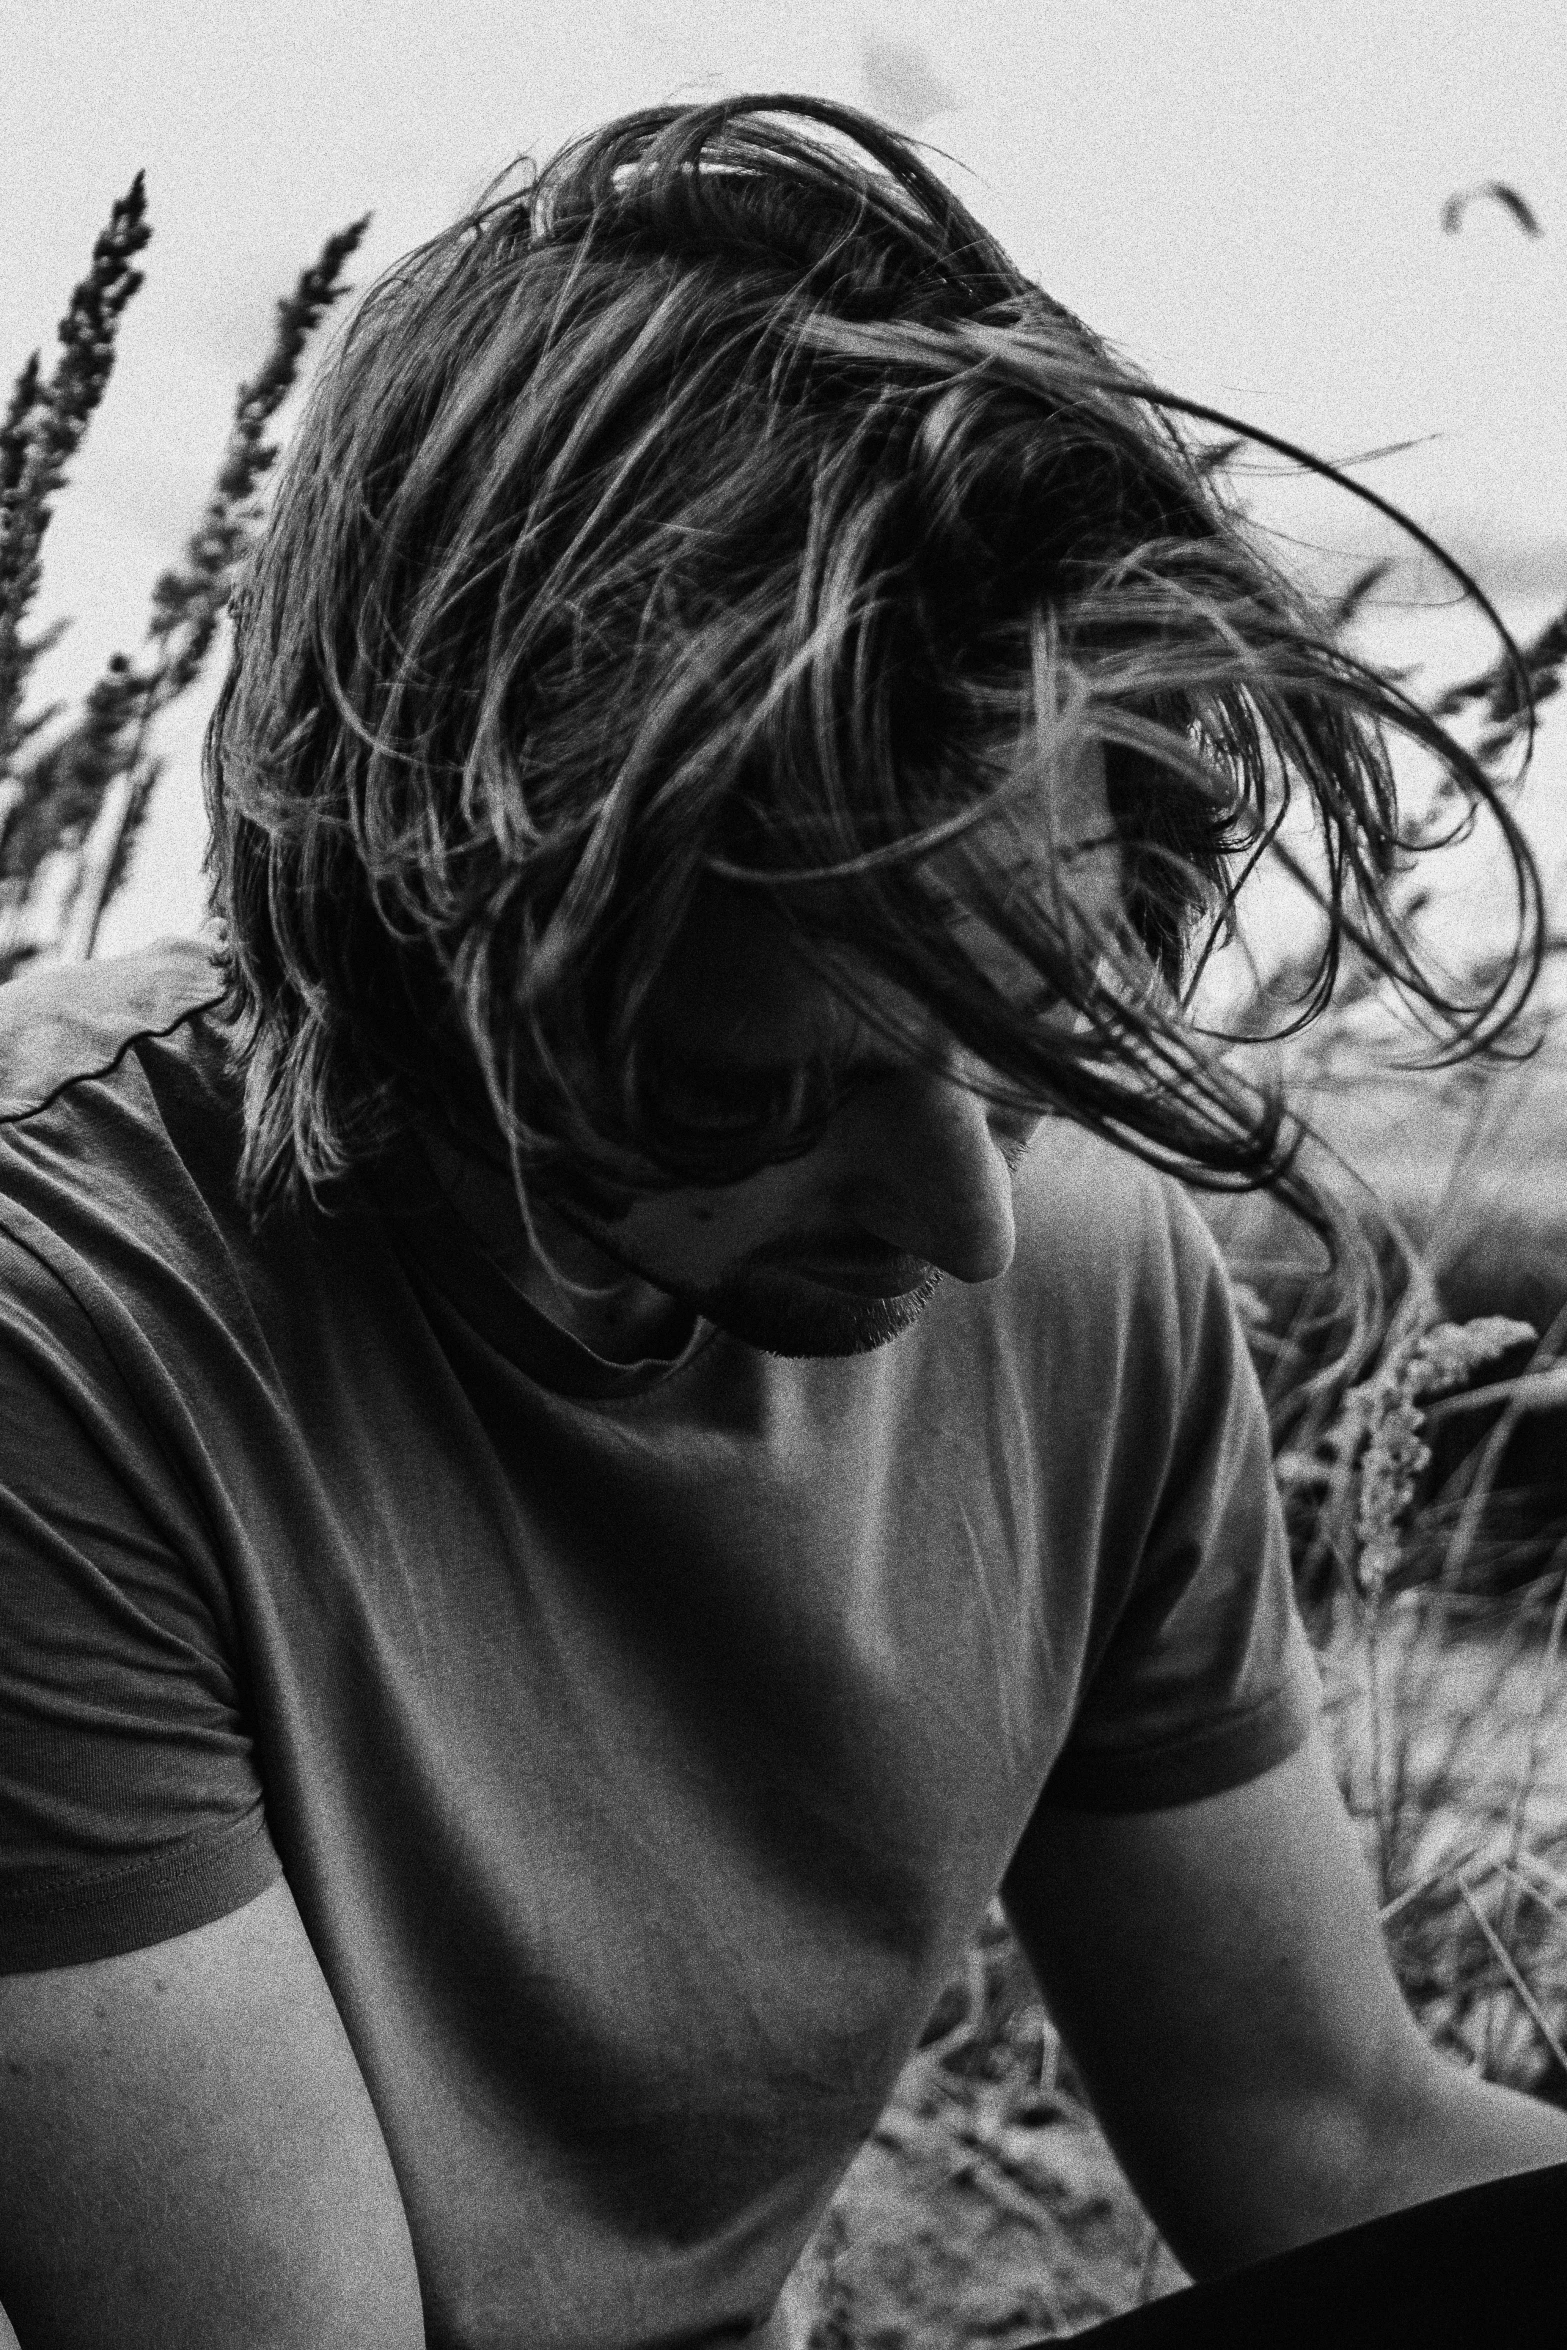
point(723, 1106)
point(742, 1105)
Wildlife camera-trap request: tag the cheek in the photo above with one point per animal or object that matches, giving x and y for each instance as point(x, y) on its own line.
point(723, 1225)
point(684, 1235)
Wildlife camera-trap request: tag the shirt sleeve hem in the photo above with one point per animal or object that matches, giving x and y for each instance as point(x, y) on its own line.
point(1207, 1761)
point(135, 1906)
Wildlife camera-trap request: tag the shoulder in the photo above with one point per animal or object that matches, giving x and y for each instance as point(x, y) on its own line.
point(119, 1132)
point(70, 1022)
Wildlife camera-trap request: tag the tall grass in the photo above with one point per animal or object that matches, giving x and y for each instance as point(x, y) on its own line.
point(75, 784)
point(1436, 1588)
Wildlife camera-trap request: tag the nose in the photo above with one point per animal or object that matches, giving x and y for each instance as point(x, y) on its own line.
point(923, 1172)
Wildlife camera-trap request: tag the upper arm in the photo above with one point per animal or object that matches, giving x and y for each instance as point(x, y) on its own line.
point(189, 2154)
point(1218, 1971)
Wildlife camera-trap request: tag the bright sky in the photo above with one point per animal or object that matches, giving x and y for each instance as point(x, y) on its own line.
point(1246, 198)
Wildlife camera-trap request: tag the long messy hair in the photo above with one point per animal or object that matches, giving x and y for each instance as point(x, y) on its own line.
point(725, 505)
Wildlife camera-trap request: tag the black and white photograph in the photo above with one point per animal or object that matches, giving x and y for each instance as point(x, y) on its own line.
point(783, 1175)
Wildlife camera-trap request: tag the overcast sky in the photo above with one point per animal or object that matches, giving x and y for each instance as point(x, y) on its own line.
point(1247, 197)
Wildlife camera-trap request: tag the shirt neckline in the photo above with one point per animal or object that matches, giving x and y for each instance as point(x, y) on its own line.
point(440, 1249)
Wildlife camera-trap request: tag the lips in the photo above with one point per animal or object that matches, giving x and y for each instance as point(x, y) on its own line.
point(878, 1273)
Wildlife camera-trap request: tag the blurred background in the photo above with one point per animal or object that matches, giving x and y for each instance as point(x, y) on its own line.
point(1248, 200)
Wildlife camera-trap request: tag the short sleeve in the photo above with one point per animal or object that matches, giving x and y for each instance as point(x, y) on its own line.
point(130, 1803)
point(1204, 1677)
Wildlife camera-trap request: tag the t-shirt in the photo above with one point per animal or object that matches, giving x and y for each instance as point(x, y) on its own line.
point(641, 1744)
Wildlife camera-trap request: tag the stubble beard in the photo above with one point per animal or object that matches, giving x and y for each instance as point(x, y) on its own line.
point(775, 1307)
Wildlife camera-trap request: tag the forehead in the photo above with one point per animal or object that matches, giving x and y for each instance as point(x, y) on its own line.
point(737, 988)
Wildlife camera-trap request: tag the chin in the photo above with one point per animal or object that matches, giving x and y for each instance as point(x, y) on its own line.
point(787, 1315)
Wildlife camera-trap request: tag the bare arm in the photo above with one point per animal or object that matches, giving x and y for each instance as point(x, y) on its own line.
point(189, 2155)
point(1218, 1971)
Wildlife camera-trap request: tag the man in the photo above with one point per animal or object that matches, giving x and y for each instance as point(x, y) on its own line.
point(607, 1426)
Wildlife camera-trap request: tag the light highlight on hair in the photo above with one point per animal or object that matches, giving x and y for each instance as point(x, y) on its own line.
point(726, 503)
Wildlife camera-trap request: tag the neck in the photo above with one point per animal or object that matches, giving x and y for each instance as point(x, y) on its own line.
point(597, 1301)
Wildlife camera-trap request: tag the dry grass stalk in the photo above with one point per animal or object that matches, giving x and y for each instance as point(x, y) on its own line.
point(71, 811)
